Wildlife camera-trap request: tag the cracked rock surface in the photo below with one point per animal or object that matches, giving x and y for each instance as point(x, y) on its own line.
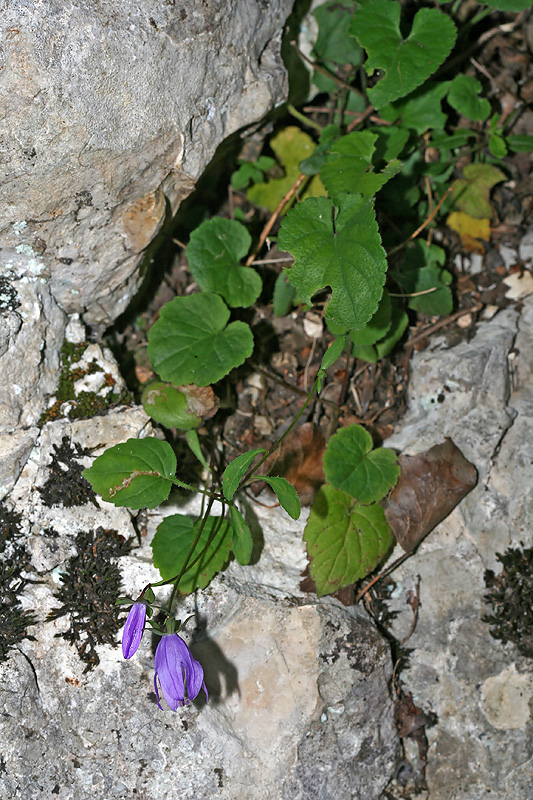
point(480, 394)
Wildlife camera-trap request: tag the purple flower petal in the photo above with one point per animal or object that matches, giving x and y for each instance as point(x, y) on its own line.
point(174, 665)
point(133, 629)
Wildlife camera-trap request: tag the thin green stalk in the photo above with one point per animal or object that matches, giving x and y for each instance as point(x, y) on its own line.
point(303, 119)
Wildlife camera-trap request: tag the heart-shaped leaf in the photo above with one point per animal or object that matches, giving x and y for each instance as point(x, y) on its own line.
point(136, 474)
point(286, 494)
point(214, 252)
point(337, 247)
point(172, 544)
point(190, 342)
point(242, 542)
point(351, 465)
point(236, 470)
point(407, 63)
point(345, 541)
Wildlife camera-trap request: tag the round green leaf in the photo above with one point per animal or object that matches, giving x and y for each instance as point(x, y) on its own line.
point(136, 474)
point(340, 248)
point(190, 342)
point(463, 96)
point(351, 465)
point(345, 541)
point(172, 544)
point(214, 252)
point(406, 63)
point(242, 542)
point(168, 406)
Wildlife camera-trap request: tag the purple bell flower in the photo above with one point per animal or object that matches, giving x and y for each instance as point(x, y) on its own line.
point(174, 664)
point(133, 629)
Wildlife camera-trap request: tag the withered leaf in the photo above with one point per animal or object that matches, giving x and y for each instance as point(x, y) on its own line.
point(431, 484)
point(299, 460)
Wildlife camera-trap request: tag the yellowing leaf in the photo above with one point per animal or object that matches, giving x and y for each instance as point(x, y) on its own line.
point(472, 195)
point(291, 145)
point(470, 230)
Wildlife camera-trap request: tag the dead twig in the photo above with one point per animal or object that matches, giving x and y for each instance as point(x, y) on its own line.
point(270, 224)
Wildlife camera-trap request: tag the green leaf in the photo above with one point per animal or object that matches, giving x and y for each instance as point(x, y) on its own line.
point(390, 143)
point(509, 5)
point(423, 269)
point(242, 542)
point(136, 474)
point(460, 138)
point(406, 63)
point(464, 97)
point(345, 541)
point(348, 166)
point(190, 342)
point(291, 145)
point(168, 406)
point(472, 195)
point(172, 544)
point(377, 327)
point(421, 110)
point(236, 470)
point(194, 444)
point(285, 492)
point(333, 353)
point(497, 144)
point(350, 464)
point(250, 172)
point(520, 143)
point(382, 348)
point(214, 252)
point(334, 43)
point(340, 248)
point(284, 295)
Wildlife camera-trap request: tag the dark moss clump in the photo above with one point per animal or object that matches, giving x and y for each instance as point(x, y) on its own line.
point(14, 559)
point(89, 590)
point(511, 597)
point(65, 484)
point(84, 405)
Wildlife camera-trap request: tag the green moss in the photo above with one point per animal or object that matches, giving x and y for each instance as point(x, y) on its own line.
point(511, 597)
point(90, 587)
point(84, 405)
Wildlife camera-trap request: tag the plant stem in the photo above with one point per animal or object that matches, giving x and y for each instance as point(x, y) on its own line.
point(270, 224)
point(303, 119)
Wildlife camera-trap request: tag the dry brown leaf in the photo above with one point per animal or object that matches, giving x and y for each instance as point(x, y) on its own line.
point(299, 460)
point(431, 484)
point(201, 400)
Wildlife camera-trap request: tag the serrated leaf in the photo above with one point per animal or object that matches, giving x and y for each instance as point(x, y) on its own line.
point(421, 110)
point(472, 194)
point(136, 474)
point(377, 327)
point(168, 406)
point(236, 470)
point(242, 542)
point(214, 251)
point(345, 541)
point(348, 166)
point(333, 353)
point(172, 544)
point(344, 253)
point(406, 63)
point(351, 465)
point(291, 145)
point(285, 492)
point(464, 97)
point(190, 342)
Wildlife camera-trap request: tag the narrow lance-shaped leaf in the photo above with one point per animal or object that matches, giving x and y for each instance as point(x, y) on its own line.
point(136, 474)
point(285, 492)
point(236, 470)
point(242, 542)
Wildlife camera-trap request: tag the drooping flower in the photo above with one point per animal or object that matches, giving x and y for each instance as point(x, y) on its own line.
point(174, 664)
point(133, 629)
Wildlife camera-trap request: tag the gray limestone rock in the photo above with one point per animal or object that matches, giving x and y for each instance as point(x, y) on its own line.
point(109, 112)
point(480, 394)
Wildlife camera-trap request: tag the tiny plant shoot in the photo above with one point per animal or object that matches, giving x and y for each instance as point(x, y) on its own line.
point(395, 93)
